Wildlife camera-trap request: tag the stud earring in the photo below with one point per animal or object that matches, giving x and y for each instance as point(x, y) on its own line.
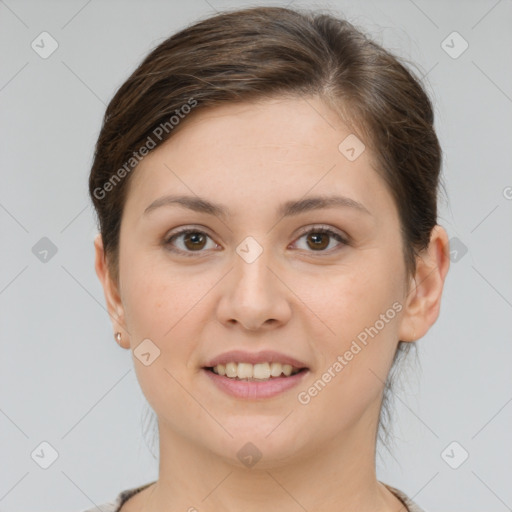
point(118, 337)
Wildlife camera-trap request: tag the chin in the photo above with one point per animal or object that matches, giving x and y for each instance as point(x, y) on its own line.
point(258, 446)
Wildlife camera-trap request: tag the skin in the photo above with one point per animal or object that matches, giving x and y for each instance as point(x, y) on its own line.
point(307, 302)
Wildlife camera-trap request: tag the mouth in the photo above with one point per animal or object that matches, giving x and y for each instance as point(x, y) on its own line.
point(254, 375)
point(258, 381)
point(260, 372)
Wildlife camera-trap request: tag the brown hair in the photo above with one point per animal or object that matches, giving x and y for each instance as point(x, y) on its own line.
point(265, 52)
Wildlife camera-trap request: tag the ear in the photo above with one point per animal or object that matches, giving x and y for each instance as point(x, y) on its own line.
point(110, 289)
point(423, 300)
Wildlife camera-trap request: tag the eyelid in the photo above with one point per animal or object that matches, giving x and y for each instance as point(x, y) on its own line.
point(343, 239)
point(182, 231)
point(325, 228)
point(317, 228)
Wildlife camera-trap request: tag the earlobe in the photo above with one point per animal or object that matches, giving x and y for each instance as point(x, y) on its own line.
point(423, 302)
point(114, 305)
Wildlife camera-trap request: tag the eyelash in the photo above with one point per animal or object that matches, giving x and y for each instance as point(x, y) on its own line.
point(316, 230)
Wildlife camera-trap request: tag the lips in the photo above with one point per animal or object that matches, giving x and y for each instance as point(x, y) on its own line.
point(265, 356)
point(253, 389)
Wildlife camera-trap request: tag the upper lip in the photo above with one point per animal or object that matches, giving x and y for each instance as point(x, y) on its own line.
point(264, 356)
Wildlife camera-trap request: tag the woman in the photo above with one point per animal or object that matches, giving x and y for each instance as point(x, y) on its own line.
point(266, 189)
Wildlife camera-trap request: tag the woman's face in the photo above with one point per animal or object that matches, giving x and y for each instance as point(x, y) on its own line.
point(252, 279)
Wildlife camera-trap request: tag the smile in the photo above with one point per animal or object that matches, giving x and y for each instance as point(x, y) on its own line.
point(251, 388)
point(259, 371)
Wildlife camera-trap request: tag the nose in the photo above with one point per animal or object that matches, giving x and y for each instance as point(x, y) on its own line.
point(254, 295)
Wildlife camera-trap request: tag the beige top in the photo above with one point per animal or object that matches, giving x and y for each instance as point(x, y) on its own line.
point(114, 506)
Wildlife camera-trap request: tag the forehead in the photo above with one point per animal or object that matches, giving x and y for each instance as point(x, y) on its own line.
point(243, 152)
point(276, 124)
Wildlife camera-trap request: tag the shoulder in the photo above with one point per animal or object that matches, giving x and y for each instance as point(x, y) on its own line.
point(117, 503)
point(111, 506)
point(411, 505)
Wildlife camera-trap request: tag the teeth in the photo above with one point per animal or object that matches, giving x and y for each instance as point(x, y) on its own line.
point(259, 371)
point(231, 370)
point(276, 369)
point(244, 371)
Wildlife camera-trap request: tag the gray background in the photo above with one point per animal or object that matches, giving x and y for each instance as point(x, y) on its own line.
point(64, 380)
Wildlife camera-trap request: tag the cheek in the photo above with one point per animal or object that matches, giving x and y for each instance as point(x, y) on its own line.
point(355, 361)
point(155, 296)
point(354, 300)
point(362, 310)
point(160, 309)
point(169, 307)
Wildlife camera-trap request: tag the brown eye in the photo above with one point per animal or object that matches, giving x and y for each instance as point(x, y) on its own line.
point(319, 239)
point(194, 240)
point(188, 241)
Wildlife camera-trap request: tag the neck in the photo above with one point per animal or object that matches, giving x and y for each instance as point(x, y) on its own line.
point(337, 476)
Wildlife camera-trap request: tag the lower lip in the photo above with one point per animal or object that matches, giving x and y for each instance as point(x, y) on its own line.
point(252, 389)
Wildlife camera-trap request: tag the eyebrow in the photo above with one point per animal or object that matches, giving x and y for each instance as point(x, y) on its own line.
point(287, 209)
